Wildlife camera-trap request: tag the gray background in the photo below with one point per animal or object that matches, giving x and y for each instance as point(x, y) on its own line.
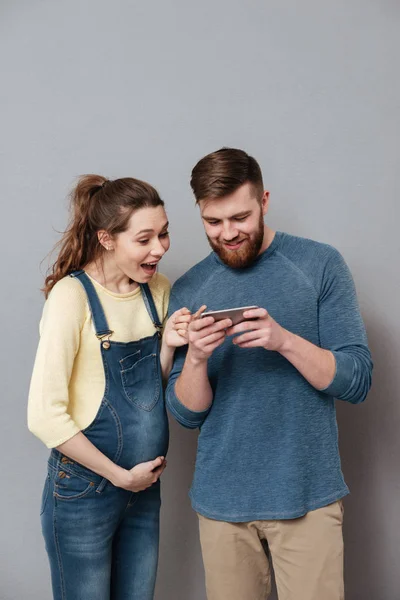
point(121, 88)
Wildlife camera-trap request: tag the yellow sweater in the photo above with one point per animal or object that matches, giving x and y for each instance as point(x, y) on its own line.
point(67, 383)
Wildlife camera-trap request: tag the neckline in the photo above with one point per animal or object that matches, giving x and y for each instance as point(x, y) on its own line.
point(126, 295)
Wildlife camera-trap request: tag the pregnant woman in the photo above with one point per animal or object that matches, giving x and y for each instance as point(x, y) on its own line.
point(96, 395)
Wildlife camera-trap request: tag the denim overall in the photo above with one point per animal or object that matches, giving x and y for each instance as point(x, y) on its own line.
point(102, 541)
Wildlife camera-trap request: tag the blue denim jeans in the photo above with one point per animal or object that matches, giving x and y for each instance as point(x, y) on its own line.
point(102, 545)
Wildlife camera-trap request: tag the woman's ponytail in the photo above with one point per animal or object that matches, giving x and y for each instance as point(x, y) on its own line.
point(79, 240)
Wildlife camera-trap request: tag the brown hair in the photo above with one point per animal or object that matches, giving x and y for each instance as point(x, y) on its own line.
point(223, 172)
point(97, 203)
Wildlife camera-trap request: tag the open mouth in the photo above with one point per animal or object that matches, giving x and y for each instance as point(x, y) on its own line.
point(149, 268)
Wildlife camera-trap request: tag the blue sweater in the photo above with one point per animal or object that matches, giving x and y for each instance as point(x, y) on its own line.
point(268, 445)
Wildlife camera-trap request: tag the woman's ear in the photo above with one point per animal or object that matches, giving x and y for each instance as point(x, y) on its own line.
point(105, 239)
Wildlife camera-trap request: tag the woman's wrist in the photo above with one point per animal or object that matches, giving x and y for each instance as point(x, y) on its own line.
point(166, 360)
point(119, 477)
point(166, 351)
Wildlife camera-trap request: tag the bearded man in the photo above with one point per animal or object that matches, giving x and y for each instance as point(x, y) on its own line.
point(268, 485)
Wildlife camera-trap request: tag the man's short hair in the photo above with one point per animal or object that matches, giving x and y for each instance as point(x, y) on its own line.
point(222, 172)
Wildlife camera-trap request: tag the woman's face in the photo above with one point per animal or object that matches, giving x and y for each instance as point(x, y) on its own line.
point(138, 250)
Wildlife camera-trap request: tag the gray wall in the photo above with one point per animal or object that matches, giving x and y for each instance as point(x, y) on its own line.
point(122, 88)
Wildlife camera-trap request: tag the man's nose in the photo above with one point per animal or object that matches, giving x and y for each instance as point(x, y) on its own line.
point(229, 232)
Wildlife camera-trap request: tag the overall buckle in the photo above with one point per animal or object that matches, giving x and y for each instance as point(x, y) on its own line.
point(105, 339)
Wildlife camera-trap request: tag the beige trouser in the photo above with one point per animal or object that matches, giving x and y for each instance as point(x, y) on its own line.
point(306, 553)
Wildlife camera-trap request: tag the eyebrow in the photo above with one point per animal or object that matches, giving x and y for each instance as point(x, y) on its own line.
point(241, 214)
point(152, 230)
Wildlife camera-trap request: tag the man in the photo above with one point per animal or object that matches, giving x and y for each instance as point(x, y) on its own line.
point(268, 481)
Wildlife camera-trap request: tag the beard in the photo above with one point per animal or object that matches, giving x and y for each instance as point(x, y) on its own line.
point(248, 251)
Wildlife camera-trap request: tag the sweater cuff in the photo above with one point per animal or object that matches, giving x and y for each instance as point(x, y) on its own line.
point(183, 414)
point(343, 377)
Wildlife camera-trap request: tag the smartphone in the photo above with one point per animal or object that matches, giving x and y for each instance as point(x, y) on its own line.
point(235, 314)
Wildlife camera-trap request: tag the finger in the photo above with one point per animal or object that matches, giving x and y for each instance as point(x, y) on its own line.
point(182, 311)
point(220, 325)
point(183, 332)
point(182, 327)
point(215, 338)
point(244, 326)
point(248, 337)
point(157, 473)
point(258, 343)
point(198, 312)
point(198, 324)
point(255, 313)
point(204, 331)
point(156, 462)
point(183, 319)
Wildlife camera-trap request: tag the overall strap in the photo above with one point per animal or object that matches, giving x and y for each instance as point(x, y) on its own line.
point(151, 307)
point(99, 318)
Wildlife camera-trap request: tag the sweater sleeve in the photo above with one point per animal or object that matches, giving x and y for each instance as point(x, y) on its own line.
point(63, 317)
point(341, 330)
point(186, 417)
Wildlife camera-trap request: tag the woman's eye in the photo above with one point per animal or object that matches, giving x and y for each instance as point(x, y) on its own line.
point(143, 242)
point(164, 235)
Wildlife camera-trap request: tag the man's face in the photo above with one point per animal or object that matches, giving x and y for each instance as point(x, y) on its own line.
point(234, 225)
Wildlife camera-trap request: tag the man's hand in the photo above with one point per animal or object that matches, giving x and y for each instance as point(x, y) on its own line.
point(205, 335)
point(264, 332)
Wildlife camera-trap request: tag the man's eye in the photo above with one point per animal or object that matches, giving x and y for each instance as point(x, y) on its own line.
point(213, 222)
point(240, 218)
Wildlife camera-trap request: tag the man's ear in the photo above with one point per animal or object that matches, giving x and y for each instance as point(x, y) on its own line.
point(265, 202)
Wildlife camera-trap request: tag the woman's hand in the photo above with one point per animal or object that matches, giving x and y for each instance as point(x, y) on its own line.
point(141, 476)
point(176, 328)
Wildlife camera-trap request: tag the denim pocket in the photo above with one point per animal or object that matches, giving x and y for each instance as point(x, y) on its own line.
point(128, 361)
point(70, 486)
point(141, 382)
point(45, 495)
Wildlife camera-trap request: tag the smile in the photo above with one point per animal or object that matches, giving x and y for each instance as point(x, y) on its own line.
point(234, 246)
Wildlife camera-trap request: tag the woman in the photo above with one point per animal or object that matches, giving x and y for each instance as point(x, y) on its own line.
point(96, 396)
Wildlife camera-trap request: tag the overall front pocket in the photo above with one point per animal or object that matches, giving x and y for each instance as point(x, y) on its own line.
point(69, 486)
point(141, 382)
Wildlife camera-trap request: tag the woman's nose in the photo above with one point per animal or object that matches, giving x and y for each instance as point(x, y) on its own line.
point(158, 249)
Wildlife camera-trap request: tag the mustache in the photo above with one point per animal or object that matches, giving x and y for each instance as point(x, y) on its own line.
point(234, 240)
